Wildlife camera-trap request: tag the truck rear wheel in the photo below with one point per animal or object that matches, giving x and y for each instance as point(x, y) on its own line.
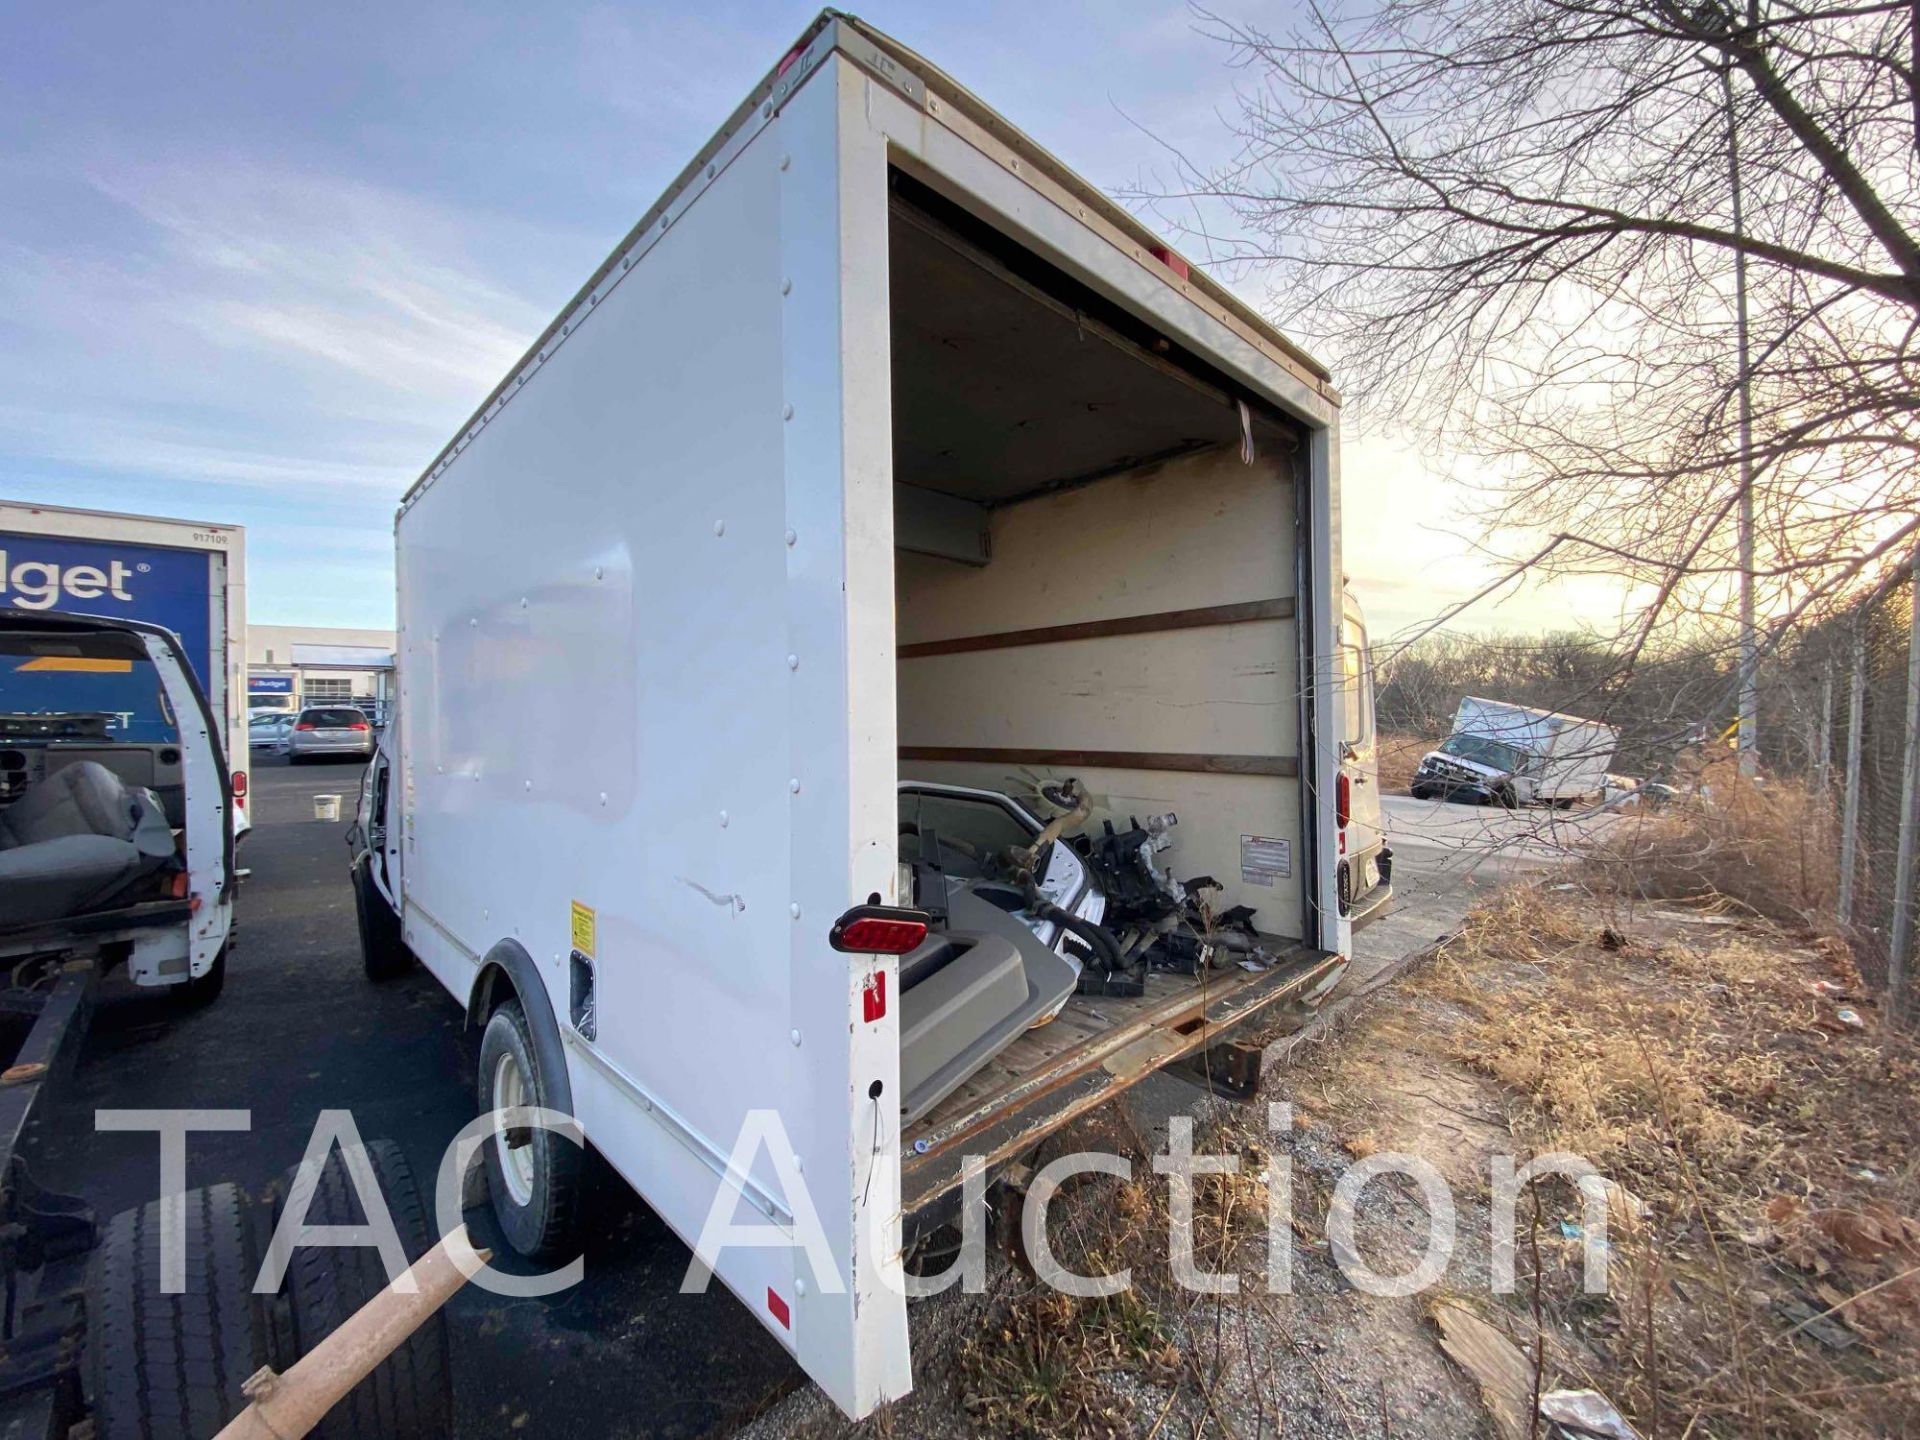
point(410, 1395)
point(205, 989)
point(383, 953)
point(535, 1179)
point(163, 1366)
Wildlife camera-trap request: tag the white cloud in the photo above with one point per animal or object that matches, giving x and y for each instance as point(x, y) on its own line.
point(253, 327)
point(366, 281)
point(133, 445)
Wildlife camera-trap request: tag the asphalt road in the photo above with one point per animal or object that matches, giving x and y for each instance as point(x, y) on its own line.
point(1491, 836)
point(299, 1029)
point(1446, 857)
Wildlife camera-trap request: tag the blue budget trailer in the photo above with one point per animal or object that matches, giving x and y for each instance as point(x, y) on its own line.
point(185, 576)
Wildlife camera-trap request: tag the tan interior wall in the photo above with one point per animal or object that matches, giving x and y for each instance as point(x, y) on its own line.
point(1203, 530)
point(1191, 534)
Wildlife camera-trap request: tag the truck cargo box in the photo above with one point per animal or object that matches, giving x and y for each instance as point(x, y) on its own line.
point(883, 451)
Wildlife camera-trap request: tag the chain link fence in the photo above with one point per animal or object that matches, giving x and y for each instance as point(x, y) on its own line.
point(1836, 714)
point(1864, 764)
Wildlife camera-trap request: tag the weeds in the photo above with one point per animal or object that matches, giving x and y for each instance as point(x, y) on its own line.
point(1721, 1066)
point(1708, 1076)
point(1769, 849)
point(1038, 1375)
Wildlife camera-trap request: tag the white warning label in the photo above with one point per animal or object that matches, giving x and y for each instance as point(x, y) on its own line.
point(1264, 859)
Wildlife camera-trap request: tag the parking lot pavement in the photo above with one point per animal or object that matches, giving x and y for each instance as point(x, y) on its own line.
point(298, 1030)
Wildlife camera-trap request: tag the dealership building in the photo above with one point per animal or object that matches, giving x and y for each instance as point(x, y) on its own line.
point(292, 666)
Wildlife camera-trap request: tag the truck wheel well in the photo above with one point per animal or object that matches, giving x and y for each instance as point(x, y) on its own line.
point(507, 972)
point(491, 989)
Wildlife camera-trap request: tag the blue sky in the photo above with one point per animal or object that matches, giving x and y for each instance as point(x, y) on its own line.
point(257, 262)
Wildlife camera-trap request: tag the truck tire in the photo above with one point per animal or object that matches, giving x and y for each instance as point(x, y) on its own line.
point(409, 1396)
point(204, 989)
point(170, 1367)
point(383, 954)
point(537, 1187)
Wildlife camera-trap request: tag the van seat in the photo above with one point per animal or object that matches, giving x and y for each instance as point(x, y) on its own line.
point(75, 841)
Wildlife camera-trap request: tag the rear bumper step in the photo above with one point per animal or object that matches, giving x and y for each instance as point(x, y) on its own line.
point(1001, 1127)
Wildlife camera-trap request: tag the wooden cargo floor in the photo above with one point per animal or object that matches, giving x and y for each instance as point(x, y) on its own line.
point(1092, 1050)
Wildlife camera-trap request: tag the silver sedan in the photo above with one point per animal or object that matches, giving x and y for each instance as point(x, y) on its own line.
point(332, 730)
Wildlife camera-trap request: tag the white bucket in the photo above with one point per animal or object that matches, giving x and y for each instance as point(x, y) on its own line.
point(326, 807)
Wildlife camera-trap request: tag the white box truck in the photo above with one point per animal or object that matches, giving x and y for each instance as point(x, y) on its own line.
point(1516, 755)
point(891, 538)
point(185, 576)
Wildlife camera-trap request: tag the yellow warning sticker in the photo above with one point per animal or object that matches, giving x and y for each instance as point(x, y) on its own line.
point(583, 929)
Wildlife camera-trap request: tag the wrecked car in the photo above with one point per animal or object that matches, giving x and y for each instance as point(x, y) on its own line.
point(1023, 915)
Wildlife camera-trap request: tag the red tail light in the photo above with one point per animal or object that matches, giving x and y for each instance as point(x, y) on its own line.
point(1343, 798)
point(359, 725)
point(239, 784)
point(1169, 259)
point(304, 725)
point(878, 930)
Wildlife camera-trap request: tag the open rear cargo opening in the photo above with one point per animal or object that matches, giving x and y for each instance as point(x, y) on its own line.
point(1096, 569)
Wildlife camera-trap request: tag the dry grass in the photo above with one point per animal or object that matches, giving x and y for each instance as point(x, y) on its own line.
point(1399, 757)
point(1043, 1363)
point(1039, 1372)
point(1772, 848)
point(1763, 1252)
point(1706, 1069)
point(1036, 1367)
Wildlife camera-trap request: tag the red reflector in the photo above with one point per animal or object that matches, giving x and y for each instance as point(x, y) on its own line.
point(871, 934)
point(1172, 261)
point(786, 61)
point(177, 887)
point(303, 725)
point(239, 784)
point(1343, 798)
point(777, 1308)
point(873, 997)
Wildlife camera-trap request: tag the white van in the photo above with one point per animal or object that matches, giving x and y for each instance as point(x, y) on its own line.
point(116, 847)
point(874, 664)
point(1366, 861)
